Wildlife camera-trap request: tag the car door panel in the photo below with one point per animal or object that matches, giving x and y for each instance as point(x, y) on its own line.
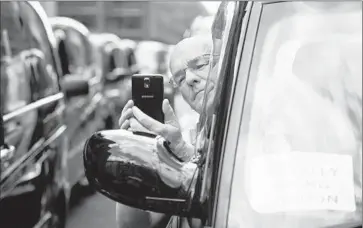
point(19, 127)
point(31, 112)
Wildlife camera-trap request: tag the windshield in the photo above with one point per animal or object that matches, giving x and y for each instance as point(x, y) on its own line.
point(299, 158)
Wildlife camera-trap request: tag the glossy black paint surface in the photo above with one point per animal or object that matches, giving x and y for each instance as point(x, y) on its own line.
point(134, 170)
point(33, 181)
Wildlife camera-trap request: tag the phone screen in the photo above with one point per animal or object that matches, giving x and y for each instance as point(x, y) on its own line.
point(148, 94)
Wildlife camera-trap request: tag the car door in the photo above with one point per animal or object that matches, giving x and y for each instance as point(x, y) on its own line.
point(18, 128)
point(293, 150)
point(33, 168)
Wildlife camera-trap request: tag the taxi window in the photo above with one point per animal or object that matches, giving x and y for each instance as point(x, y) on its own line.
point(131, 59)
point(76, 49)
point(220, 39)
point(13, 24)
point(35, 31)
point(221, 30)
point(15, 84)
point(299, 157)
point(116, 57)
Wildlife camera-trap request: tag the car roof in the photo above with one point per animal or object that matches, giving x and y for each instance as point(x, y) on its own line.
point(38, 8)
point(66, 22)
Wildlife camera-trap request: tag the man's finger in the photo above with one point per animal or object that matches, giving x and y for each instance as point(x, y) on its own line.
point(170, 117)
point(136, 126)
point(125, 125)
point(128, 105)
point(126, 115)
point(148, 122)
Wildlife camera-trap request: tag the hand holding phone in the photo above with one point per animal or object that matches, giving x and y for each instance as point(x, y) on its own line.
point(148, 94)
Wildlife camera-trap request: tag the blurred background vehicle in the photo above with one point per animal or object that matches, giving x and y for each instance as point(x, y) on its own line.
point(117, 62)
point(34, 186)
point(87, 113)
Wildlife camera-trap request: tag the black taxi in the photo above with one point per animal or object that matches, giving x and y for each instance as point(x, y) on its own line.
point(279, 142)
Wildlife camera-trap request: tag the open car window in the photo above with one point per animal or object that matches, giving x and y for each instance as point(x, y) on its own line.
point(211, 119)
point(12, 23)
point(219, 37)
point(299, 158)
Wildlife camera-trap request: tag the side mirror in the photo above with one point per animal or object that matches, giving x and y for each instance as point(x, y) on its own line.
point(117, 74)
point(74, 86)
point(137, 171)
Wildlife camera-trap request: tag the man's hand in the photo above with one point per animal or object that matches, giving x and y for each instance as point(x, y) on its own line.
point(170, 131)
point(133, 119)
point(126, 114)
point(127, 120)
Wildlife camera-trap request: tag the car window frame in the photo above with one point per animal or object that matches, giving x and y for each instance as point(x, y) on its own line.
point(14, 61)
point(51, 40)
point(248, 38)
point(22, 79)
point(84, 44)
point(17, 16)
point(223, 113)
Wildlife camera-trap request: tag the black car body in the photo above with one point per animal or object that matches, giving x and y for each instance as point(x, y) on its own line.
point(279, 140)
point(34, 188)
point(88, 113)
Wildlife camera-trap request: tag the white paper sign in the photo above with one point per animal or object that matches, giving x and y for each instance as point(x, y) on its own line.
point(300, 181)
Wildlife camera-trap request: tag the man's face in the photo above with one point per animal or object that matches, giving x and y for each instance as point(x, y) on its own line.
point(189, 65)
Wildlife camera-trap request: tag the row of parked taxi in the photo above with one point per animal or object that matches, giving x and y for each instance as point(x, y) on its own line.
point(59, 84)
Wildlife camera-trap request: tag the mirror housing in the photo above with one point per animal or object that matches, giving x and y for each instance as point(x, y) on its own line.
point(138, 171)
point(73, 86)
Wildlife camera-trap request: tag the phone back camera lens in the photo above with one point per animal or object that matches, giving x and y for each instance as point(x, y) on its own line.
point(146, 83)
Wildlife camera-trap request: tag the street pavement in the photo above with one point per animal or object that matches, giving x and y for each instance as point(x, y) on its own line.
point(94, 211)
point(97, 211)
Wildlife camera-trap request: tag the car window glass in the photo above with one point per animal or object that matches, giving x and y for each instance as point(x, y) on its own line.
point(97, 56)
point(35, 31)
point(219, 37)
point(299, 159)
point(12, 23)
point(116, 58)
point(132, 61)
point(62, 52)
point(204, 141)
point(120, 58)
point(76, 51)
point(38, 38)
point(15, 85)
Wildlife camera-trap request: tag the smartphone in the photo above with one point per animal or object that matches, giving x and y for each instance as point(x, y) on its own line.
point(148, 94)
